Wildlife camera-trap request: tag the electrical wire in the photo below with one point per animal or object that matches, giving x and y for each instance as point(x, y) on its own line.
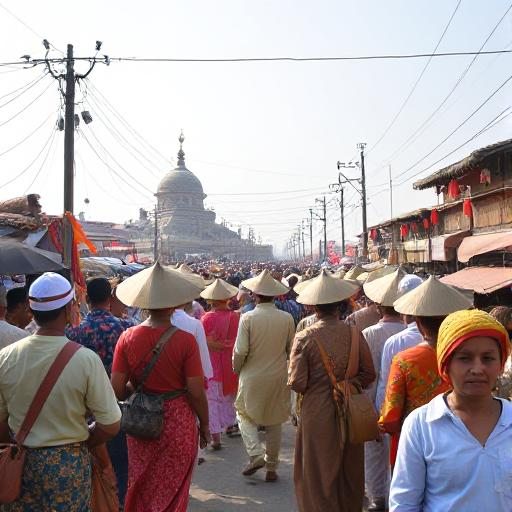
point(487, 127)
point(126, 124)
point(414, 136)
point(280, 192)
point(31, 163)
point(28, 136)
point(37, 79)
point(457, 128)
point(416, 83)
point(42, 163)
point(108, 166)
point(26, 106)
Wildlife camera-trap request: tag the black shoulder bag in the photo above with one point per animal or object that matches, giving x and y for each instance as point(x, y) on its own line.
point(143, 413)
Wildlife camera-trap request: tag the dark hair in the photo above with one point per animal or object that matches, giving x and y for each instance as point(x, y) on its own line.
point(264, 298)
point(328, 309)
point(431, 323)
point(44, 317)
point(15, 297)
point(388, 310)
point(98, 290)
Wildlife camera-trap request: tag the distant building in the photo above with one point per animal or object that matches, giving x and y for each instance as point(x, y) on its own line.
point(185, 227)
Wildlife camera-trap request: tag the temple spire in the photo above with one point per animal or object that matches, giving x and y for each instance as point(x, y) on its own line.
point(181, 153)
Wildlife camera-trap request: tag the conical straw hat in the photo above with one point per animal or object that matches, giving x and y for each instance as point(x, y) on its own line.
point(187, 272)
point(265, 284)
point(157, 287)
point(381, 272)
point(354, 272)
point(324, 289)
point(384, 290)
point(185, 268)
point(432, 298)
point(219, 290)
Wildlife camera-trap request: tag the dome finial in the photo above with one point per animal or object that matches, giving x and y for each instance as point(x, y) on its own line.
point(181, 153)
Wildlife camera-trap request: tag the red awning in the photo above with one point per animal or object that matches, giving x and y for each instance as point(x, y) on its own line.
point(480, 279)
point(480, 244)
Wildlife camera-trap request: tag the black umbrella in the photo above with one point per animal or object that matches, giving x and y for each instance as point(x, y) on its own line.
point(18, 258)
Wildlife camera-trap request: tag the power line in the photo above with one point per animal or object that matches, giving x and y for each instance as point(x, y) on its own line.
point(31, 163)
point(28, 136)
point(418, 80)
point(457, 128)
point(268, 193)
point(414, 136)
point(488, 126)
point(42, 163)
point(37, 79)
point(26, 106)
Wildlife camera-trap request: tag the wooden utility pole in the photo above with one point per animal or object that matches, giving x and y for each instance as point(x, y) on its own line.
point(303, 246)
point(361, 146)
point(155, 246)
point(311, 233)
point(69, 132)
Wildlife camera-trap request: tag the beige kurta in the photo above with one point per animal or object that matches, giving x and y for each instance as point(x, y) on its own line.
point(260, 357)
point(327, 478)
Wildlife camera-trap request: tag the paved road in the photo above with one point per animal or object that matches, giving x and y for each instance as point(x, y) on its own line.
point(218, 486)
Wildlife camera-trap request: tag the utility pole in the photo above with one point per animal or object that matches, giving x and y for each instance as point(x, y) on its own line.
point(155, 247)
point(324, 220)
point(69, 132)
point(303, 246)
point(390, 192)
point(311, 233)
point(338, 187)
point(361, 146)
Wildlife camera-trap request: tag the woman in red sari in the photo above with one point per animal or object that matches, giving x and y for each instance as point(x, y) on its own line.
point(160, 470)
point(221, 326)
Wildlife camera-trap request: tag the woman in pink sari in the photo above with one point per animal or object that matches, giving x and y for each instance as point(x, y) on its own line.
point(160, 470)
point(221, 326)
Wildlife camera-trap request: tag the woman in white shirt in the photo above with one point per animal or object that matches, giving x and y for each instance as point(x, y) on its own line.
point(455, 453)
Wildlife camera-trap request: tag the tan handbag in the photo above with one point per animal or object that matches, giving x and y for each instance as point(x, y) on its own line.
point(104, 496)
point(12, 456)
point(354, 409)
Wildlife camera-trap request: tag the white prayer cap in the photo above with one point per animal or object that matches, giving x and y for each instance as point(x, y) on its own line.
point(408, 283)
point(49, 292)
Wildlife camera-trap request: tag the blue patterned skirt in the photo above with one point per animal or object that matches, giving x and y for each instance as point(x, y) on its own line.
point(55, 480)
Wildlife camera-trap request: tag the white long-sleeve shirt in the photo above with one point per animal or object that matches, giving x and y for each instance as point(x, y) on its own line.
point(403, 340)
point(441, 466)
point(186, 323)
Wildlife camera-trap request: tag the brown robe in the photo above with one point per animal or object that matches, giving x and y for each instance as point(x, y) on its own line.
point(327, 479)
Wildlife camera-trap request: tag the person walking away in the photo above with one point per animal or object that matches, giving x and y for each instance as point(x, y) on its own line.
point(8, 333)
point(328, 470)
point(99, 331)
point(221, 327)
point(408, 337)
point(504, 384)
point(383, 292)
point(57, 472)
point(160, 470)
point(18, 310)
point(413, 379)
point(455, 452)
point(260, 360)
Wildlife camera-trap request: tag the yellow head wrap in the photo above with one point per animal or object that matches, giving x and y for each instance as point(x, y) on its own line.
point(463, 325)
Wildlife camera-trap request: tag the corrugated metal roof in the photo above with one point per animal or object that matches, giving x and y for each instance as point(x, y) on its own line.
point(480, 279)
point(462, 166)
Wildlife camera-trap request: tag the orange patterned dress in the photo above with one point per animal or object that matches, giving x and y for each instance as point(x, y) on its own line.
point(413, 381)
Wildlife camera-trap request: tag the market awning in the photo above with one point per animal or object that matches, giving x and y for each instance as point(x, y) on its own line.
point(480, 279)
point(417, 250)
point(442, 244)
point(481, 244)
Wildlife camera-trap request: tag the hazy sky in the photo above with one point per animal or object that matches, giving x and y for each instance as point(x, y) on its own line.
point(253, 130)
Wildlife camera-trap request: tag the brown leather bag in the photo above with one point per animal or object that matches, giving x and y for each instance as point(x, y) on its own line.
point(104, 485)
point(12, 456)
point(354, 409)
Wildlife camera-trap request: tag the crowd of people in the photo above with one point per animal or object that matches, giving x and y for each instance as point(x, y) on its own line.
point(163, 365)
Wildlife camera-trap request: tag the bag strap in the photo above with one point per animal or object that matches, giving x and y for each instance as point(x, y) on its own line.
point(353, 358)
point(157, 350)
point(60, 362)
point(327, 364)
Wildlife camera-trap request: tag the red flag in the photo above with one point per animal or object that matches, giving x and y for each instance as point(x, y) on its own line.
point(467, 208)
point(434, 217)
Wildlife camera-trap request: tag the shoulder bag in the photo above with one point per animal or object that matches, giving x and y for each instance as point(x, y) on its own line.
point(12, 456)
point(355, 410)
point(143, 413)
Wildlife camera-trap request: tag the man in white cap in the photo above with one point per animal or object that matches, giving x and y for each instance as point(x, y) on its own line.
point(8, 333)
point(407, 338)
point(57, 466)
point(260, 359)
